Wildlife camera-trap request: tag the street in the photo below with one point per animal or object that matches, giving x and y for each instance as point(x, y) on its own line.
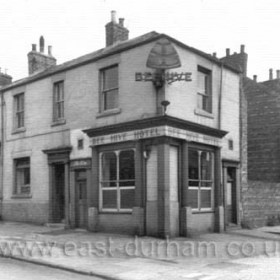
point(13, 270)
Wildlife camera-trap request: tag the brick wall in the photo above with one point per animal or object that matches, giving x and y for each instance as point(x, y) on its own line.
point(261, 203)
point(263, 132)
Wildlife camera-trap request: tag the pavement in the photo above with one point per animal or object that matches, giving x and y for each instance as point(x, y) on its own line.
point(235, 254)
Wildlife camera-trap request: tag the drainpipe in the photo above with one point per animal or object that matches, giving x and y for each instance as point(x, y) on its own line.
point(220, 98)
point(2, 151)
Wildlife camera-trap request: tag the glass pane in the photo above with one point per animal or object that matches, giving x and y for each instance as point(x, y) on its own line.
point(127, 198)
point(110, 199)
point(193, 164)
point(109, 184)
point(206, 165)
point(19, 180)
point(111, 99)
point(193, 183)
point(109, 166)
point(201, 82)
point(110, 78)
point(207, 184)
point(205, 196)
point(26, 172)
point(127, 165)
point(192, 198)
point(205, 103)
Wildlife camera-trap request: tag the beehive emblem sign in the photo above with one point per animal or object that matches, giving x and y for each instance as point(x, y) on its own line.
point(163, 56)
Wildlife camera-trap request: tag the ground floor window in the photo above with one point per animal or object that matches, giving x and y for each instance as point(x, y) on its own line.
point(117, 180)
point(201, 180)
point(22, 176)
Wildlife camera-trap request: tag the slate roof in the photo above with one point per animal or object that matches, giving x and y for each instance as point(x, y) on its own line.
point(111, 50)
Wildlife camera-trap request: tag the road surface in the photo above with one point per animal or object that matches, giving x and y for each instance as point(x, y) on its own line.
point(19, 270)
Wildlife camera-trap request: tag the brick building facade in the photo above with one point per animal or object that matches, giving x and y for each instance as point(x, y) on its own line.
point(106, 144)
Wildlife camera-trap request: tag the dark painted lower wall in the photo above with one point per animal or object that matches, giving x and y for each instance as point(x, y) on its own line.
point(261, 204)
point(25, 212)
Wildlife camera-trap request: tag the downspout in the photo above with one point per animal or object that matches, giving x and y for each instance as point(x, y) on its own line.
point(220, 98)
point(2, 151)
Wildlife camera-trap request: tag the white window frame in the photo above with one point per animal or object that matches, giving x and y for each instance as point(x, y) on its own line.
point(199, 180)
point(207, 92)
point(19, 112)
point(118, 188)
point(104, 91)
point(57, 102)
point(18, 189)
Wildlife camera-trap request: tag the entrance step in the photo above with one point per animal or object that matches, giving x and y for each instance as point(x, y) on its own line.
point(56, 225)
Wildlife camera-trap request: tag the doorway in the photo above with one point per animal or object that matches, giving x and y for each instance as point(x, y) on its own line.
point(58, 193)
point(81, 198)
point(230, 196)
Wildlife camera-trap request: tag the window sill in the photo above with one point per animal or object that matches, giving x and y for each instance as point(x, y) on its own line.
point(21, 196)
point(114, 212)
point(203, 113)
point(19, 130)
point(202, 211)
point(108, 113)
point(59, 122)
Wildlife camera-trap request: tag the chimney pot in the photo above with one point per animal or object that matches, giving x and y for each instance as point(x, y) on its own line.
point(255, 78)
point(228, 52)
point(50, 50)
point(121, 20)
point(270, 74)
point(34, 47)
point(42, 44)
point(113, 16)
point(242, 48)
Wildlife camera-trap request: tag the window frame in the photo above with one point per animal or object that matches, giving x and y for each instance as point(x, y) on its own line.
point(208, 90)
point(57, 102)
point(21, 164)
point(19, 113)
point(118, 188)
point(104, 91)
point(200, 188)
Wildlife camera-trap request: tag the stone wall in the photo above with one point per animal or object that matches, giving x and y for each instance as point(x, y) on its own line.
point(261, 205)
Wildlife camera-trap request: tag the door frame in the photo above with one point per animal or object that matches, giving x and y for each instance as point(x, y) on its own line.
point(236, 165)
point(75, 165)
point(58, 156)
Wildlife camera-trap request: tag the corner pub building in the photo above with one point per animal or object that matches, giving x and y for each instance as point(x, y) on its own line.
point(141, 137)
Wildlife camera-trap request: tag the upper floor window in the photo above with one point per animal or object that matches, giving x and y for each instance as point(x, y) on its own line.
point(109, 88)
point(22, 176)
point(58, 101)
point(19, 111)
point(204, 93)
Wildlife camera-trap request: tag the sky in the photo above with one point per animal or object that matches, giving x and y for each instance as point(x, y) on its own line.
point(75, 28)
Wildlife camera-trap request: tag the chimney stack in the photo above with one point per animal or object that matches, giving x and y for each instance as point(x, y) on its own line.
point(115, 32)
point(50, 50)
point(227, 52)
point(121, 20)
point(255, 77)
point(5, 79)
point(214, 54)
point(42, 44)
point(113, 16)
point(38, 61)
point(270, 74)
point(278, 74)
point(242, 49)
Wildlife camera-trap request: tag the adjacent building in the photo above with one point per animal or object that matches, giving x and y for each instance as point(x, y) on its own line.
point(142, 137)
